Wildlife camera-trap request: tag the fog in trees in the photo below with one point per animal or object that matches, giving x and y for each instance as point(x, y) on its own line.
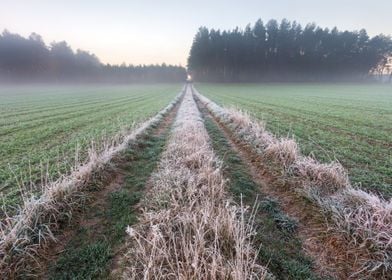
point(287, 51)
point(31, 60)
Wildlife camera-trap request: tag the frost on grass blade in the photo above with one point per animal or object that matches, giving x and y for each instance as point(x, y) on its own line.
point(190, 228)
point(364, 219)
point(32, 228)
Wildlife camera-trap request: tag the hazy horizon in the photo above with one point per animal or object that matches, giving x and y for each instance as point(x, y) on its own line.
point(154, 33)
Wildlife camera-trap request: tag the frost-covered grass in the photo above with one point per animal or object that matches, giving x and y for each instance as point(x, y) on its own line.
point(39, 217)
point(364, 219)
point(48, 125)
point(350, 123)
point(189, 227)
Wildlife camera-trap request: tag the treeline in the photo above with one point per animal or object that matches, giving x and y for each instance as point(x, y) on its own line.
point(31, 60)
point(286, 51)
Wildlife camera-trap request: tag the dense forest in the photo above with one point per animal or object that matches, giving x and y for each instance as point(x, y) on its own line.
point(31, 60)
point(286, 51)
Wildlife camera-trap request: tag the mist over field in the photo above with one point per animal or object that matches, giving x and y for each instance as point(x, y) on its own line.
point(271, 52)
point(196, 140)
point(30, 60)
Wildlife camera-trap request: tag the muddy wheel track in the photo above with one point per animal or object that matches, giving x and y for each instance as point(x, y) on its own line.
point(99, 200)
point(325, 249)
point(116, 267)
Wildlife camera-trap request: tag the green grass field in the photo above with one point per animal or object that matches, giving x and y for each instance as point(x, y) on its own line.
point(350, 123)
point(44, 125)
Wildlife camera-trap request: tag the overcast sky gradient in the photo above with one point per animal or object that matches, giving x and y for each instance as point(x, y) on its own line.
point(147, 31)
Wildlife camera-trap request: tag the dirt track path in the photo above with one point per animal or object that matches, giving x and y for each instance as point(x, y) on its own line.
point(162, 131)
point(325, 250)
point(106, 212)
point(109, 210)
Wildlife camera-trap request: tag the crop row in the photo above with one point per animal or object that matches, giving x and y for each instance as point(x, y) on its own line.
point(364, 219)
point(46, 131)
point(347, 123)
point(38, 220)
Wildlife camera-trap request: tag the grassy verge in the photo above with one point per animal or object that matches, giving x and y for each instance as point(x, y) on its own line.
point(280, 250)
point(347, 122)
point(90, 252)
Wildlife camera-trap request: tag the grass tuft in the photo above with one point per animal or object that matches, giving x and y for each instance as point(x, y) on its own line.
point(87, 262)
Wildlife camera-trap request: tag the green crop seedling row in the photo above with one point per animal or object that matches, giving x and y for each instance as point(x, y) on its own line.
point(43, 128)
point(344, 122)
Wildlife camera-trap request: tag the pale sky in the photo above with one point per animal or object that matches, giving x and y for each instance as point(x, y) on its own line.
point(146, 31)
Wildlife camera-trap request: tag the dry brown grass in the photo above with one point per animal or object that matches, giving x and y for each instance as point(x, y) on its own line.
point(283, 152)
point(24, 235)
point(328, 177)
point(189, 228)
point(366, 222)
point(364, 219)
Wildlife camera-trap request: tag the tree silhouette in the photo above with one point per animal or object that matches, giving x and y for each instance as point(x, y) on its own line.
point(30, 60)
point(286, 51)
